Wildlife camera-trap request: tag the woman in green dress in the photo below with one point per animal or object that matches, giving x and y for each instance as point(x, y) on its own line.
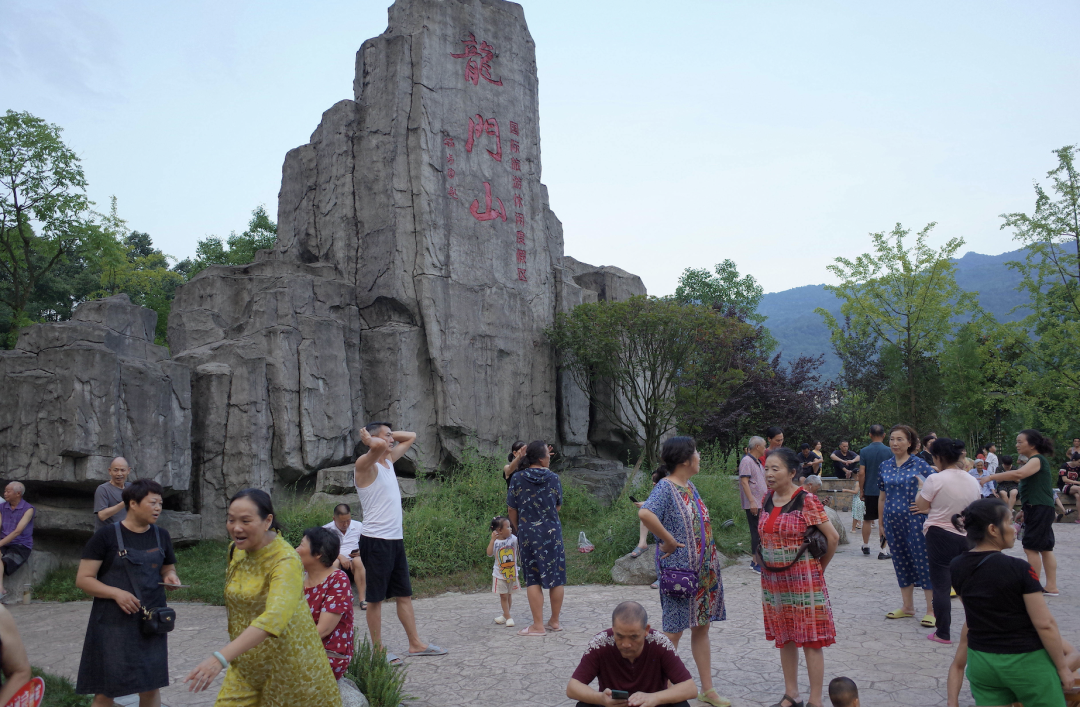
point(264, 597)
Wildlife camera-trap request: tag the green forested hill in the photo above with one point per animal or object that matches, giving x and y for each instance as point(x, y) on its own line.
point(796, 327)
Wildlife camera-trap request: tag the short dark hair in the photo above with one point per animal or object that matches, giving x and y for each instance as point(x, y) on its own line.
point(877, 431)
point(1042, 444)
point(676, 451)
point(927, 440)
point(534, 452)
point(497, 522)
point(1006, 459)
point(843, 692)
point(342, 509)
point(263, 504)
point(787, 457)
point(140, 489)
point(804, 446)
point(373, 427)
point(843, 441)
point(771, 432)
point(979, 516)
point(324, 544)
point(948, 451)
point(630, 611)
point(910, 433)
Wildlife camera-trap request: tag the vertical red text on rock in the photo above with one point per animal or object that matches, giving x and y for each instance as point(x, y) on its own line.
point(478, 127)
point(478, 57)
point(490, 212)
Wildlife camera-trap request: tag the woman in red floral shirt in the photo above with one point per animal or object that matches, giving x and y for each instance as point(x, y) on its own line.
point(329, 596)
point(794, 600)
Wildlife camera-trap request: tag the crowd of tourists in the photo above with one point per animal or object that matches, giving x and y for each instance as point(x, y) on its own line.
point(944, 517)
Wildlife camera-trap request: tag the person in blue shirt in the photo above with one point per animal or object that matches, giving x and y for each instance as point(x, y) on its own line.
point(870, 458)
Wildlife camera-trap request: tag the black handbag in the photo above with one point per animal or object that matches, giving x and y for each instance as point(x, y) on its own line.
point(152, 621)
point(813, 540)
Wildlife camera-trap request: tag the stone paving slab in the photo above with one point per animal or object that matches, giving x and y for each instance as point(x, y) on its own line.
point(891, 661)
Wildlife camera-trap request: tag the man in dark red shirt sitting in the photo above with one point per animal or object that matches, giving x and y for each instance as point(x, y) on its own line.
point(632, 658)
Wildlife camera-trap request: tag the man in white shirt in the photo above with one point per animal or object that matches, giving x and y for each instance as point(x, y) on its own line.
point(992, 459)
point(348, 532)
point(382, 540)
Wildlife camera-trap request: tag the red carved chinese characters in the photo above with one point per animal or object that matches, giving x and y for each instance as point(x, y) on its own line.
point(518, 200)
point(521, 237)
point(489, 213)
point(513, 128)
point(521, 275)
point(517, 182)
point(515, 146)
point(515, 164)
point(452, 193)
point(521, 256)
point(476, 70)
point(478, 127)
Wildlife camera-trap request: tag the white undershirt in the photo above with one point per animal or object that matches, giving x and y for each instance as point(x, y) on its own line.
point(381, 502)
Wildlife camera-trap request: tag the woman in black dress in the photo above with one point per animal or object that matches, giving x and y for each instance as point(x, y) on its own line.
point(117, 658)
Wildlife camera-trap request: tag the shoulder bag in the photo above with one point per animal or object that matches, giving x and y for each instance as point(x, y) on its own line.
point(813, 539)
point(682, 584)
point(159, 619)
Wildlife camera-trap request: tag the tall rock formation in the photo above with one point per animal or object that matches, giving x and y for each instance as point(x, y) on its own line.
point(417, 266)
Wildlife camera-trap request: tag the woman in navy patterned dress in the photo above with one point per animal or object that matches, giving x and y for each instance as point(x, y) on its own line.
point(533, 500)
point(900, 479)
point(677, 516)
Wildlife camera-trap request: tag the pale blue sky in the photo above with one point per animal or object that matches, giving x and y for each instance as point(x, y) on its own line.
point(778, 134)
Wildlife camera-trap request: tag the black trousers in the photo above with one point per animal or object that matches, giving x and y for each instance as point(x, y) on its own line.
point(941, 547)
point(755, 539)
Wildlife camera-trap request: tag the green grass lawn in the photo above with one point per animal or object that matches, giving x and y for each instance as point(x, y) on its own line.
point(446, 533)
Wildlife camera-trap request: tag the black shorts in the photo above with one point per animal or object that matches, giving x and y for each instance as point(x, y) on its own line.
point(387, 569)
point(871, 512)
point(14, 557)
point(1038, 528)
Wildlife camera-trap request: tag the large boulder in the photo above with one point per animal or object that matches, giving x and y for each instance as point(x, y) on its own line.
point(603, 478)
point(350, 694)
point(635, 570)
point(78, 393)
point(32, 572)
point(838, 523)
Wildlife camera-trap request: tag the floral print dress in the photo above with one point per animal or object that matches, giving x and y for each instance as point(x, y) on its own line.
point(795, 602)
point(904, 529)
point(335, 595)
point(536, 494)
point(682, 513)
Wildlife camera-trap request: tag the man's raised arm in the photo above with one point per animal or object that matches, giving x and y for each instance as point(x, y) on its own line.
point(404, 441)
point(364, 470)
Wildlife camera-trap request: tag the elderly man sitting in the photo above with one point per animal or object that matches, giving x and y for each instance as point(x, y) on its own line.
point(632, 664)
point(16, 531)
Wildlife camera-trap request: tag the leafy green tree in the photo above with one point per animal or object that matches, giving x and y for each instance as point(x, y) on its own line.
point(907, 298)
point(634, 359)
point(239, 249)
point(1051, 279)
point(46, 220)
point(723, 289)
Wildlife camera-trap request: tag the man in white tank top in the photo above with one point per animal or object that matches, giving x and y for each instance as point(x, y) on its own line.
point(382, 544)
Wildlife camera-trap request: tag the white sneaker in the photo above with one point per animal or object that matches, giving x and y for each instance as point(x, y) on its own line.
point(500, 619)
point(510, 623)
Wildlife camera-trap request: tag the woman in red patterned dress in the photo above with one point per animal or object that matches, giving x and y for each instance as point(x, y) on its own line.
point(329, 596)
point(794, 600)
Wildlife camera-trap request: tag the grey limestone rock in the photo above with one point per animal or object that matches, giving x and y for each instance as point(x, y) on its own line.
point(350, 694)
point(635, 570)
point(32, 572)
point(84, 391)
point(603, 478)
point(837, 523)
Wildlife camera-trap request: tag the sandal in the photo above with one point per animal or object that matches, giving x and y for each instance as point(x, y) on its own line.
point(899, 614)
point(928, 621)
point(789, 699)
point(393, 660)
point(717, 701)
point(638, 551)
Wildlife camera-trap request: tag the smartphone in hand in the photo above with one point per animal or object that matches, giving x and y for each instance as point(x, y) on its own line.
point(620, 695)
point(634, 500)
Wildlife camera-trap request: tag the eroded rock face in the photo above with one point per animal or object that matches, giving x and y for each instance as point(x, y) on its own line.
point(79, 393)
point(635, 570)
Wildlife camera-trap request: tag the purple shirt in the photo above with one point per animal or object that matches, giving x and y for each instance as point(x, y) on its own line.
point(752, 469)
point(10, 519)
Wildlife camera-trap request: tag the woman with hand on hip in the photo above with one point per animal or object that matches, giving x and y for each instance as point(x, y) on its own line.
point(676, 515)
point(900, 479)
point(264, 598)
point(943, 495)
point(794, 598)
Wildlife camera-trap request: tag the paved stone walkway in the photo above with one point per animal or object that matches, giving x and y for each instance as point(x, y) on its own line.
point(891, 661)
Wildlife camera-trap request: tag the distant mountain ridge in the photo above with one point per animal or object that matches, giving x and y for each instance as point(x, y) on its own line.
point(799, 331)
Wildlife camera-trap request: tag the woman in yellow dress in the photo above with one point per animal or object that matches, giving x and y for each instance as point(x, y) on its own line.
point(275, 657)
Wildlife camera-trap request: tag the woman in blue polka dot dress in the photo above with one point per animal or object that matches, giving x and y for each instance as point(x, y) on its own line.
point(902, 522)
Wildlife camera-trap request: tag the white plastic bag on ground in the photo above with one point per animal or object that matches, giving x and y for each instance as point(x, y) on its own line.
point(583, 544)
